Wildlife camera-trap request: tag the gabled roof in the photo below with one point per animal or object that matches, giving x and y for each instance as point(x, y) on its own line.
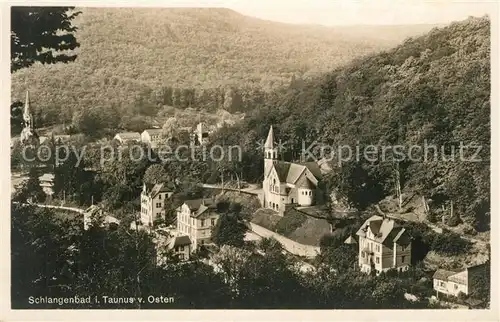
point(282, 169)
point(314, 168)
point(152, 190)
point(442, 274)
point(350, 240)
point(200, 206)
point(386, 230)
point(129, 135)
point(290, 172)
point(294, 172)
point(179, 241)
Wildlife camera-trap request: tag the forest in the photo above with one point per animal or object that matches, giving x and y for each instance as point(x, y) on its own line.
point(433, 89)
point(133, 62)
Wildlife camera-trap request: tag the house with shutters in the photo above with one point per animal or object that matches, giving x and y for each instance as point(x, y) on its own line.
point(383, 244)
point(196, 218)
point(153, 198)
point(287, 183)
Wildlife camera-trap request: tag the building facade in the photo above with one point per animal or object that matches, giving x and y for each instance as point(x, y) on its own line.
point(153, 198)
point(152, 137)
point(455, 282)
point(196, 218)
point(287, 183)
point(126, 137)
point(383, 245)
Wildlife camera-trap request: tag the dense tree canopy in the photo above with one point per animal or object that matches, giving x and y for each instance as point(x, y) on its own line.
point(42, 34)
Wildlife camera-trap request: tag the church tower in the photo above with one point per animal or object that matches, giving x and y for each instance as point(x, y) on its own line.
point(27, 115)
point(28, 134)
point(270, 152)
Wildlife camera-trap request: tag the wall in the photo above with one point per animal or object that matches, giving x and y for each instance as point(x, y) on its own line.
point(290, 245)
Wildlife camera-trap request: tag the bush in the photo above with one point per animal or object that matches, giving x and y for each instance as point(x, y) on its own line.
point(449, 243)
point(432, 217)
point(454, 221)
point(290, 222)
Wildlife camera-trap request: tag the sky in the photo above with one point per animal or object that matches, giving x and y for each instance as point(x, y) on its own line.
point(362, 12)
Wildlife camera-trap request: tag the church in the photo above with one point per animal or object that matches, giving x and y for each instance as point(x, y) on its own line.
point(288, 184)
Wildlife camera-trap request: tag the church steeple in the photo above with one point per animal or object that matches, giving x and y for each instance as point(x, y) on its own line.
point(27, 116)
point(270, 139)
point(28, 134)
point(270, 152)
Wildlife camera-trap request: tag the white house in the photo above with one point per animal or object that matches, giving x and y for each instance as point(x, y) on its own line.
point(287, 183)
point(196, 218)
point(125, 137)
point(153, 198)
point(152, 137)
point(47, 183)
point(202, 133)
point(383, 244)
point(456, 282)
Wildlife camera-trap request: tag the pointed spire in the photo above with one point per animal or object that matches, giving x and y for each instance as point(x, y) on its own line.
point(27, 111)
point(270, 139)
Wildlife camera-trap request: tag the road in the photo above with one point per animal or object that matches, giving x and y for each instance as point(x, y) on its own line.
point(253, 189)
point(78, 210)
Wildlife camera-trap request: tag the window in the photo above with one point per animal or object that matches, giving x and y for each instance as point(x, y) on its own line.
point(202, 222)
point(363, 254)
point(456, 286)
point(441, 284)
point(159, 196)
point(377, 260)
point(158, 205)
point(402, 259)
point(310, 193)
point(212, 221)
point(181, 256)
point(181, 248)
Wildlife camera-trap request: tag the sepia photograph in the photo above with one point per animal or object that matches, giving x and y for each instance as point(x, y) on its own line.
point(309, 155)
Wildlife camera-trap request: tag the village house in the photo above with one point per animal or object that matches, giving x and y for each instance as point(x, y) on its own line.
point(383, 245)
point(456, 282)
point(287, 183)
point(202, 133)
point(181, 247)
point(152, 137)
point(153, 198)
point(126, 137)
point(47, 183)
point(195, 218)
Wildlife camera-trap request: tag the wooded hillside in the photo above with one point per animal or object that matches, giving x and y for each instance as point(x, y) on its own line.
point(434, 90)
point(133, 61)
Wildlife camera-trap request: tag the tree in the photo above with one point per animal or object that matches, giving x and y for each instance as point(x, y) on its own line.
point(230, 229)
point(31, 190)
point(16, 118)
point(39, 34)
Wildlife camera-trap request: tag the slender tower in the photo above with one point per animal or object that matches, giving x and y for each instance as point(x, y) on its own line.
point(270, 152)
point(28, 134)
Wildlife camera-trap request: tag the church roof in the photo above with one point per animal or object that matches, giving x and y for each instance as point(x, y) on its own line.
point(270, 139)
point(290, 172)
